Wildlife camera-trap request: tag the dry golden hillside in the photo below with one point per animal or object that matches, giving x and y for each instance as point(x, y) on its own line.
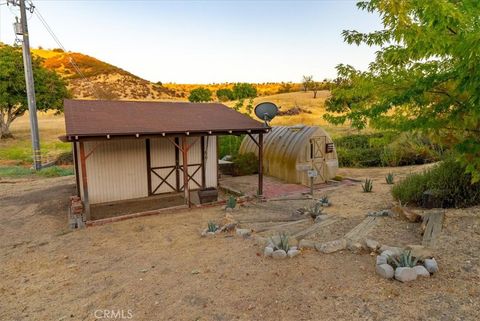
point(100, 80)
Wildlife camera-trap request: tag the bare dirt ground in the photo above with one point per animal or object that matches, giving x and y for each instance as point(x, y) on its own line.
point(158, 267)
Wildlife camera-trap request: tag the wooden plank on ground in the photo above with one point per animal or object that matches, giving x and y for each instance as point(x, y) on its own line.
point(277, 227)
point(315, 227)
point(361, 231)
point(433, 226)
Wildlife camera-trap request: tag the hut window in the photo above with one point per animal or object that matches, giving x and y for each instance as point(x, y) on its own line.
point(311, 150)
point(329, 147)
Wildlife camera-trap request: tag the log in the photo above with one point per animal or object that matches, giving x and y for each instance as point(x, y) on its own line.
point(360, 232)
point(433, 223)
point(312, 229)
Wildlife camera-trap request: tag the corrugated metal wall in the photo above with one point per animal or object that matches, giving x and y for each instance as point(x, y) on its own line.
point(117, 169)
point(286, 149)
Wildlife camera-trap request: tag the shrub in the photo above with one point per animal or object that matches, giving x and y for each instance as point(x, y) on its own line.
point(229, 145)
point(245, 164)
point(367, 186)
point(449, 182)
point(225, 94)
point(199, 95)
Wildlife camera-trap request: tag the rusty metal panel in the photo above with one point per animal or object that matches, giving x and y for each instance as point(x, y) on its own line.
point(116, 170)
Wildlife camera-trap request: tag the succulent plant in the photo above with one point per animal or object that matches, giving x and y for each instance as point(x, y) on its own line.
point(231, 202)
point(315, 209)
point(212, 227)
point(405, 259)
point(324, 199)
point(367, 186)
point(389, 178)
point(282, 243)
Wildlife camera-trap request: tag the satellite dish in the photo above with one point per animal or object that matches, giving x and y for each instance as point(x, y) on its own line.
point(266, 111)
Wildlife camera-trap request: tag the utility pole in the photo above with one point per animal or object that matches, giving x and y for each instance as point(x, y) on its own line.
point(22, 30)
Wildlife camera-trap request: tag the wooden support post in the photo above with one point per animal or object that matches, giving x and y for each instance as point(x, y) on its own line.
point(83, 165)
point(149, 166)
point(202, 143)
point(75, 162)
point(177, 163)
point(260, 164)
point(186, 189)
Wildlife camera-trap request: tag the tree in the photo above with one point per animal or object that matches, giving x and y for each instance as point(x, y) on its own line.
point(225, 94)
point(425, 76)
point(307, 82)
point(50, 89)
point(244, 90)
point(200, 94)
point(315, 86)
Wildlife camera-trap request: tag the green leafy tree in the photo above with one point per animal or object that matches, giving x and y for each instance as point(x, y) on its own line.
point(225, 94)
point(200, 94)
point(425, 76)
point(244, 90)
point(50, 89)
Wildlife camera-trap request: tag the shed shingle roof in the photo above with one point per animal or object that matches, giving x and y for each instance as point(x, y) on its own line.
point(104, 117)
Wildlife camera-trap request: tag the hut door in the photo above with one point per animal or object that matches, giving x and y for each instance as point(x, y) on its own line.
point(317, 156)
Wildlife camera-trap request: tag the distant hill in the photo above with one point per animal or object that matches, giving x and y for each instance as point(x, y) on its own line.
point(101, 80)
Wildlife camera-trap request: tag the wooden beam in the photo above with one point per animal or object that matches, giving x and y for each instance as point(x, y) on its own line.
point(254, 140)
point(83, 165)
point(202, 143)
point(434, 223)
point(186, 189)
point(260, 165)
point(149, 166)
point(314, 228)
point(75, 162)
point(177, 164)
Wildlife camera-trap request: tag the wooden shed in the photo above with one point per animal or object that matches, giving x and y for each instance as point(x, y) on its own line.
point(290, 151)
point(126, 150)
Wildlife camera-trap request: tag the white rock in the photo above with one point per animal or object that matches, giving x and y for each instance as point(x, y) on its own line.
point(372, 245)
point(293, 248)
point(279, 254)
point(405, 274)
point(293, 253)
point(381, 259)
point(421, 271)
point(387, 253)
point(385, 271)
point(431, 265)
point(268, 251)
point(306, 244)
point(243, 232)
point(321, 218)
point(355, 247)
point(332, 246)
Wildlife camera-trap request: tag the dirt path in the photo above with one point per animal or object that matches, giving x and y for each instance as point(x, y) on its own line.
point(160, 269)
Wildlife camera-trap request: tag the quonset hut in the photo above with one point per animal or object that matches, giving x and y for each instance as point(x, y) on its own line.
point(291, 151)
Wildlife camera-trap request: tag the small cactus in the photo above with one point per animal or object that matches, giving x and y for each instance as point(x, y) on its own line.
point(367, 186)
point(403, 260)
point(212, 227)
point(231, 202)
point(282, 244)
point(389, 178)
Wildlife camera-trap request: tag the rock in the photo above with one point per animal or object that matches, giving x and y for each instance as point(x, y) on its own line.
point(243, 232)
point(372, 245)
point(268, 251)
point(421, 271)
point(405, 274)
point(431, 265)
point(293, 253)
point(387, 253)
point(381, 259)
point(228, 209)
point(355, 247)
point(332, 246)
point(321, 218)
point(393, 249)
point(228, 227)
point(279, 254)
point(385, 271)
point(306, 244)
point(420, 251)
point(293, 248)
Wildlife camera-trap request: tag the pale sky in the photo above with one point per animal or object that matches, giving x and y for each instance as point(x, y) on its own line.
point(205, 41)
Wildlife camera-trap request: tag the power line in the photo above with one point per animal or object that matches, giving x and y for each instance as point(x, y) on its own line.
point(98, 91)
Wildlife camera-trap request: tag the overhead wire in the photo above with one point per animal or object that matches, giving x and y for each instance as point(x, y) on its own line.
point(98, 90)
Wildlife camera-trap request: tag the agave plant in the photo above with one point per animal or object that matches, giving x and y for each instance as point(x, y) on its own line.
point(212, 227)
point(282, 243)
point(231, 202)
point(405, 259)
point(315, 209)
point(367, 186)
point(324, 200)
point(389, 178)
